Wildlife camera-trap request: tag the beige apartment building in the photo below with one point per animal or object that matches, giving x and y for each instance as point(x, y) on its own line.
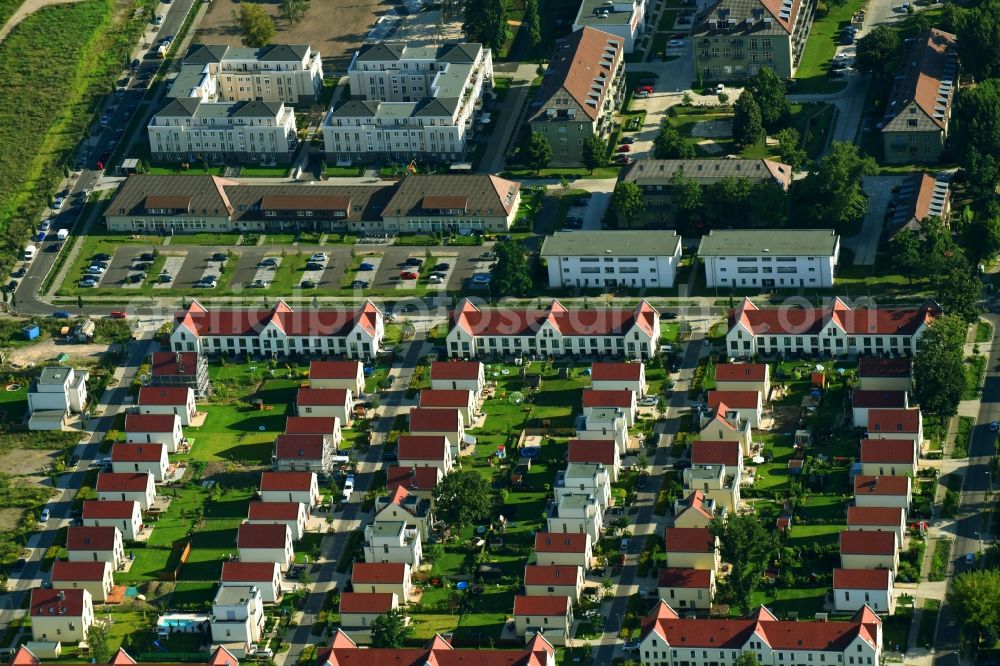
point(289, 73)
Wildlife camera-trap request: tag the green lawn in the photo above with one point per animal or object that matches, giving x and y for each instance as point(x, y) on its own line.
point(975, 370)
point(806, 601)
point(13, 404)
point(812, 75)
point(246, 171)
point(206, 238)
point(984, 331)
point(928, 622)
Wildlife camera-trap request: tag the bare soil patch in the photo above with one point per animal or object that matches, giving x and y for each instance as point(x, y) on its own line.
point(47, 350)
point(9, 519)
point(26, 462)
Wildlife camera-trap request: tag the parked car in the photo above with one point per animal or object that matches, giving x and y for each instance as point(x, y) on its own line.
point(443, 266)
point(624, 148)
point(268, 262)
point(87, 283)
point(409, 275)
point(641, 93)
point(360, 284)
point(258, 284)
point(307, 284)
point(365, 266)
point(105, 257)
point(413, 261)
point(145, 256)
point(220, 256)
point(165, 277)
point(318, 256)
point(623, 159)
point(118, 314)
point(627, 140)
point(314, 266)
point(61, 314)
point(675, 43)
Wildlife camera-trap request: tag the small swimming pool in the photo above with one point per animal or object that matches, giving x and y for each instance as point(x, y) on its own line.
point(181, 623)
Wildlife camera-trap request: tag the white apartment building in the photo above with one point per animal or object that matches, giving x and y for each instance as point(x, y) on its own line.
point(237, 617)
point(392, 541)
point(56, 394)
point(622, 18)
point(789, 258)
point(715, 484)
point(189, 129)
point(577, 512)
point(409, 102)
point(612, 258)
point(289, 73)
point(588, 478)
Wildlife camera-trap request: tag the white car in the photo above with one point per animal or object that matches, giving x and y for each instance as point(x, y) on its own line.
point(45, 515)
point(675, 43)
point(319, 256)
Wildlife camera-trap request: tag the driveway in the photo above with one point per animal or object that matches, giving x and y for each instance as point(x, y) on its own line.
point(864, 245)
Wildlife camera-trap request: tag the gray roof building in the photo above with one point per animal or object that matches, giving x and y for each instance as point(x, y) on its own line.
point(611, 243)
point(776, 242)
point(707, 171)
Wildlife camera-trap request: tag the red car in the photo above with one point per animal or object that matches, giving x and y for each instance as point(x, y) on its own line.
point(625, 148)
point(623, 159)
point(408, 275)
point(118, 314)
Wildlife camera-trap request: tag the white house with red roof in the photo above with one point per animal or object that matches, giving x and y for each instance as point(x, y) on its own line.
point(876, 373)
point(606, 376)
point(889, 457)
point(554, 580)
point(402, 505)
point(177, 400)
point(835, 329)
point(554, 331)
point(725, 425)
point(25, 657)
point(292, 514)
point(746, 404)
point(576, 512)
point(604, 423)
point(130, 457)
point(60, 615)
point(602, 451)
point(359, 609)
point(279, 330)
point(548, 615)
point(727, 454)
point(265, 576)
point(686, 589)
point(325, 402)
point(314, 425)
point(896, 424)
point(864, 400)
point(290, 487)
point(459, 375)
point(391, 577)
point(694, 511)
point(392, 541)
point(414, 451)
point(265, 543)
point(348, 375)
point(854, 589)
point(95, 577)
point(127, 487)
point(704, 642)
point(691, 548)
point(463, 400)
point(304, 453)
point(155, 428)
point(95, 544)
point(566, 549)
point(869, 550)
point(878, 519)
point(890, 491)
point(584, 478)
point(440, 422)
point(418, 481)
point(623, 399)
point(343, 651)
point(743, 377)
point(125, 515)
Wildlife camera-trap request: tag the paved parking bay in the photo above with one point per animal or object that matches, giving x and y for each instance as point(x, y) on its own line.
point(119, 268)
point(195, 266)
point(246, 268)
point(450, 258)
point(171, 267)
point(266, 273)
point(375, 259)
point(333, 276)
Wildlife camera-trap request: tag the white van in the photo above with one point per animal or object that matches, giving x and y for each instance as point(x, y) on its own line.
point(29, 252)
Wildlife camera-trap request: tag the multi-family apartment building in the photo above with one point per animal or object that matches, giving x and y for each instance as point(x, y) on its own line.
point(289, 73)
point(751, 258)
point(735, 38)
point(612, 258)
point(921, 196)
point(167, 369)
point(580, 93)
point(625, 19)
point(409, 102)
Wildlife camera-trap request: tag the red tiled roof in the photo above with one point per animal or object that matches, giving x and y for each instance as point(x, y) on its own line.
point(327, 397)
point(90, 538)
point(740, 372)
point(299, 447)
point(132, 452)
point(687, 578)
point(366, 602)
point(862, 579)
point(378, 572)
point(604, 322)
point(334, 369)
point(438, 652)
point(867, 543)
point(173, 364)
point(110, 509)
point(689, 540)
point(457, 370)
point(871, 366)
point(434, 420)
point(413, 478)
point(550, 542)
point(293, 481)
point(887, 451)
point(248, 572)
point(306, 322)
point(734, 399)
point(811, 321)
point(696, 502)
point(421, 447)
point(879, 399)
point(163, 395)
point(621, 398)
point(310, 425)
point(707, 452)
point(274, 511)
point(592, 451)
point(47, 602)
point(123, 482)
point(150, 422)
point(881, 485)
point(261, 535)
point(875, 515)
point(893, 420)
point(63, 570)
point(551, 574)
point(458, 398)
point(525, 604)
point(615, 372)
point(582, 71)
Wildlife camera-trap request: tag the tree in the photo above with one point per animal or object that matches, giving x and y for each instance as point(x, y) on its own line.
point(978, 32)
point(975, 598)
point(485, 21)
point(981, 237)
point(831, 195)
point(769, 92)
point(686, 197)
point(790, 149)
point(463, 497)
point(538, 152)
point(749, 548)
point(938, 372)
point(595, 152)
point(293, 11)
point(256, 24)
point(532, 22)
point(627, 203)
point(390, 629)
point(906, 251)
point(747, 659)
point(974, 135)
point(511, 274)
point(725, 202)
point(99, 639)
point(878, 53)
point(670, 145)
point(748, 128)
point(958, 288)
point(767, 205)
